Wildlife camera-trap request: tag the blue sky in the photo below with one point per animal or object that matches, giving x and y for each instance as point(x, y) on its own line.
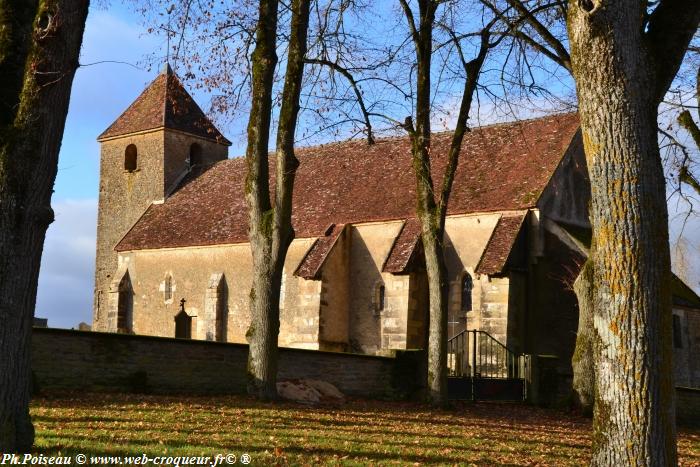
point(100, 93)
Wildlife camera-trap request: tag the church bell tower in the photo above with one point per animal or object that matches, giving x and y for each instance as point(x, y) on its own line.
point(158, 140)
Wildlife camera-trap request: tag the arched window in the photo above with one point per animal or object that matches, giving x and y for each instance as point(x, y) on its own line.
point(467, 287)
point(195, 154)
point(130, 158)
point(677, 336)
point(379, 298)
point(168, 288)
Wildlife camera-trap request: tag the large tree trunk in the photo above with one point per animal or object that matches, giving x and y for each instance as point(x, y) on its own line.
point(634, 420)
point(271, 230)
point(582, 361)
point(39, 47)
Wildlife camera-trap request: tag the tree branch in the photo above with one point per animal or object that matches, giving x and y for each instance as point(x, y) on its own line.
point(543, 31)
point(411, 22)
point(472, 69)
point(671, 27)
point(351, 79)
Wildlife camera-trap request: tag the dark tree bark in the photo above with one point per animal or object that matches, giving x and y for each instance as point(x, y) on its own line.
point(39, 48)
point(271, 230)
point(582, 361)
point(684, 174)
point(431, 202)
point(623, 65)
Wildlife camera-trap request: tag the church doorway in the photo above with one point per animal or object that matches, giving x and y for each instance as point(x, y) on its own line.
point(183, 323)
point(183, 326)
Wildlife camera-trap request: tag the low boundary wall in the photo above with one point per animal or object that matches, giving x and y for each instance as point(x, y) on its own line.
point(688, 406)
point(95, 361)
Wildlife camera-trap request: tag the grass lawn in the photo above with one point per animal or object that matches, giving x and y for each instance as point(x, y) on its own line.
point(357, 433)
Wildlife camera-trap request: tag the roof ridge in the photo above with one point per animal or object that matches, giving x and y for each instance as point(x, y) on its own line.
point(365, 184)
point(165, 92)
point(489, 126)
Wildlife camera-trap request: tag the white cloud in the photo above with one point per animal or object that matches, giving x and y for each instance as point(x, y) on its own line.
point(68, 264)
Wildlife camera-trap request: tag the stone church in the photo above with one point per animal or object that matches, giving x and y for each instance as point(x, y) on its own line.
point(173, 258)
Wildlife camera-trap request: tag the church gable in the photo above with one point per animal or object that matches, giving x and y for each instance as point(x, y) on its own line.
point(498, 250)
point(405, 248)
point(310, 267)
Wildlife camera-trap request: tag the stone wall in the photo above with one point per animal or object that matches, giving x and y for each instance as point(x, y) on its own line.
point(335, 296)
point(339, 312)
point(124, 196)
point(177, 151)
point(192, 272)
point(93, 361)
point(466, 239)
point(688, 406)
point(370, 246)
point(552, 321)
point(686, 347)
point(418, 305)
point(162, 160)
point(567, 196)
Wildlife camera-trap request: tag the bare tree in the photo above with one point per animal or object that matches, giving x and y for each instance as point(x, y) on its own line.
point(270, 231)
point(232, 50)
point(431, 202)
point(39, 48)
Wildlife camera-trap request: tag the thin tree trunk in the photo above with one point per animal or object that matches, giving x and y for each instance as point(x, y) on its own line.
point(582, 361)
point(437, 316)
point(431, 210)
point(39, 48)
point(426, 207)
point(634, 419)
point(271, 230)
point(264, 324)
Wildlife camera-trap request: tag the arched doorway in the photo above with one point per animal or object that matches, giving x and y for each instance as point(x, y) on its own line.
point(183, 323)
point(195, 154)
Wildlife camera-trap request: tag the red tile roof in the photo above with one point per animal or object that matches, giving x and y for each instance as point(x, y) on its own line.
point(404, 247)
point(502, 167)
point(495, 255)
point(310, 266)
point(164, 104)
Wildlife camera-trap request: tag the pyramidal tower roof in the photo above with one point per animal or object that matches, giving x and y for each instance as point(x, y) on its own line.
point(165, 103)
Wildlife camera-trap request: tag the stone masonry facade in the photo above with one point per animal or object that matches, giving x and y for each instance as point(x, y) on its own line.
point(173, 258)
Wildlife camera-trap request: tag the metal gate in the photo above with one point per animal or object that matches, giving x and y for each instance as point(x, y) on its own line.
point(482, 368)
